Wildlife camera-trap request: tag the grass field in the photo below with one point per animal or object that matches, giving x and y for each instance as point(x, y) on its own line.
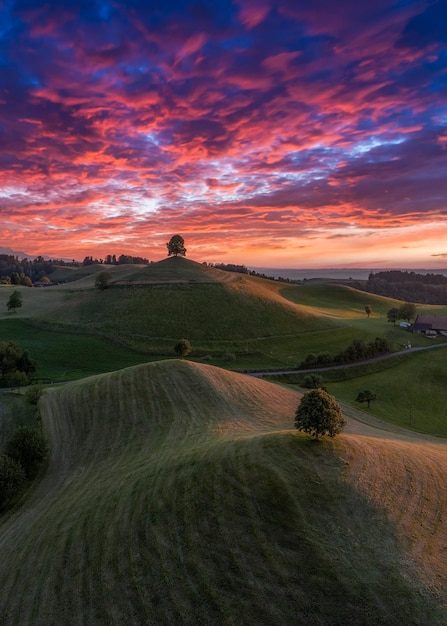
point(63, 356)
point(412, 394)
point(232, 320)
point(176, 493)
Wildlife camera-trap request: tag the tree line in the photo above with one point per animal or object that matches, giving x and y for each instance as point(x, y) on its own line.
point(26, 272)
point(423, 288)
point(112, 259)
point(358, 350)
point(22, 455)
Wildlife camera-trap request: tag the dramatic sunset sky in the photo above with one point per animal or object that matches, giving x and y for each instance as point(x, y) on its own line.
point(282, 133)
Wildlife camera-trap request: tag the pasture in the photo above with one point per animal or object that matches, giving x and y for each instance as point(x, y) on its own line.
point(178, 493)
point(233, 321)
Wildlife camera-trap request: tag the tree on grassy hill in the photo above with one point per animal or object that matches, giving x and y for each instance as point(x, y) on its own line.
point(319, 414)
point(407, 311)
point(366, 396)
point(15, 301)
point(182, 347)
point(368, 310)
point(176, 246)
point(393, 315)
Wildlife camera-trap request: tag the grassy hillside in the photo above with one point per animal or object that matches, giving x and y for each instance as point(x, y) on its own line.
point(412, 394)
point(66, 355)
point(232, 320)
point(177, 297)
point(176, 494)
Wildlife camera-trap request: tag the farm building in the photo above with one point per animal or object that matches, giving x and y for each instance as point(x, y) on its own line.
point(430, 325)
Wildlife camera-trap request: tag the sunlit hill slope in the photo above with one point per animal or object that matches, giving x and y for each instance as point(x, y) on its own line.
point(179, 296)
point(176, 493)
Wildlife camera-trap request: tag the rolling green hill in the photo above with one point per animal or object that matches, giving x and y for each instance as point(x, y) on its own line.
point(176, 494)
point(149, 307)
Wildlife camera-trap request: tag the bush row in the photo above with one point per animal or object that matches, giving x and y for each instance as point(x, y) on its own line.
point(358, 350)
point(23, 455)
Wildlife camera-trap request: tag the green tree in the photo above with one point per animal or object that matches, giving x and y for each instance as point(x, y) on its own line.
point(319, 414)
point(176, 246)
point(182, 347)
point(102, 280)
point(393, 315)
point(13, 358)
point(407, 311)
point(368, 310)
point(28, 447)
point(12, 477)
point(366, 396)
point(15, 301)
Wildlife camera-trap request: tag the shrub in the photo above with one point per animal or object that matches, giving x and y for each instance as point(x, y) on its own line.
point(313, 381)
point(33, 394)
point(12, 477)
point(28, 447)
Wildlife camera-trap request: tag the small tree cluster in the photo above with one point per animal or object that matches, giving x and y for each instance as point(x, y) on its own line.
point(24, 453)
point(15, 363)
point(319, 414)
point(358, 350)
point(406, 311)
point(12, 478)
point(28, 447)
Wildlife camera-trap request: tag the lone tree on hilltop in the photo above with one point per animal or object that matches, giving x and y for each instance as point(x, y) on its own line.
point(319, 414)
point(393, 315)
point(176, 246)
point(182, 348)
point(368, 310)
point(15, 301)
point(366, 396)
